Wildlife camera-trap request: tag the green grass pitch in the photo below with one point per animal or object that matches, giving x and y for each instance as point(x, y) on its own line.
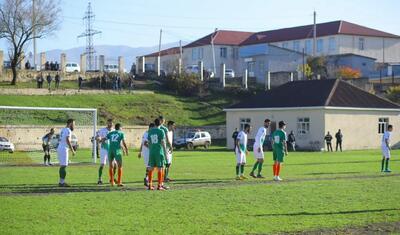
point(320, 191)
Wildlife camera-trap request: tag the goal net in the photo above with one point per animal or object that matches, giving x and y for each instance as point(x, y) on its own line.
point(22, 130)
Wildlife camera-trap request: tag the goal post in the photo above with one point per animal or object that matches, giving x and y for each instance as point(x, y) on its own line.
point(22, 129)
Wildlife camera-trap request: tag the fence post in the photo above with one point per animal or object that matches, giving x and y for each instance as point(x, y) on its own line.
point(268, 81)
point(244, 79)
point(222, 76)
point(201, 68)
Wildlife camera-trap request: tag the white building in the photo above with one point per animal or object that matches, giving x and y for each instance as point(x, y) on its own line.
point(311, 108)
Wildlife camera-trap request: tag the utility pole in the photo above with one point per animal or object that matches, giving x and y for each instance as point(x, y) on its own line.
point(213, 36)
point(34, 32)
point(159, 43)
point(315, 34)
point(88, 34)
point(159, 56)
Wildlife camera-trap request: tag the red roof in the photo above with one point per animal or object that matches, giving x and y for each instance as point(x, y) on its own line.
point(222, 37)
point(169, 51)
point(323, 29)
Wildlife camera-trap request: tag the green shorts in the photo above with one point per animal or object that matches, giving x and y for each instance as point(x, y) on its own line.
point(278, 155)
point(115, 155)
point(157, 160)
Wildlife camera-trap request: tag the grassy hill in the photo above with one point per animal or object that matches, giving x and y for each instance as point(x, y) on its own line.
point(130, 109)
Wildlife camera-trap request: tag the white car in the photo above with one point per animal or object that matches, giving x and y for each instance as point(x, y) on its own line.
point(192, 69)
point(72, 67)
point(194, 139)
point(229, 73)
point(111, 68)
point(6, 145)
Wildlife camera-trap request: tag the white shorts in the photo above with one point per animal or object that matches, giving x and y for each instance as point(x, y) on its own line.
point(63, 157)
point(258, 155)
point(103, 156)
point(386, 152)
point(240, 157)
point(145, 155)
point(169, 157)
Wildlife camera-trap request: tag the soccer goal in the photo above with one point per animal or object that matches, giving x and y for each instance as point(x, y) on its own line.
point(22, 130)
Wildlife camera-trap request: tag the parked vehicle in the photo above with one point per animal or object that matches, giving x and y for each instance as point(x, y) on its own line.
point(193, 140)
point(229, 73)
point(72, 67)
point(111, 68)
point(192, 69)
point(6, 145)
point(55, 140)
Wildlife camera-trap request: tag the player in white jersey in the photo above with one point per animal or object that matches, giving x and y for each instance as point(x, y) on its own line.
point(258, 149)
point(170, 136)
point(144, 152)
point(62, 150)
point(386, 149)
point(100, 135)
point(241, 151)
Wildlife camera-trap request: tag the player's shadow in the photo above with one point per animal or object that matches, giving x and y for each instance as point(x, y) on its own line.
point(329, 213)
point(199, 181)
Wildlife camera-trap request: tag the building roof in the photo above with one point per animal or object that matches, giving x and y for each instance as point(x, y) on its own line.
point(350, 55)
point(169, 51)
point(221, 37)
point(323, 29)
point(316, 93)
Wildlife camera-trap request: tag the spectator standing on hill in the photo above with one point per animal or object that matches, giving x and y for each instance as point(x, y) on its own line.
point(339, 139)
point(119, 83)
point(292, 141)
point(57, 80)
point(39, 80)
point(80, 81)
point(328, 139)
point(103, 82)
point(49, 79)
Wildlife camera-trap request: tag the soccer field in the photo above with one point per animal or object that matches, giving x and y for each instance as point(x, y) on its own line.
point(321, 192)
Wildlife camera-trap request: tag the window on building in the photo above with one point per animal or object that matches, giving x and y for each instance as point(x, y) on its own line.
point(382, 125)
point(308, 47)
point(332, 44)
point(361, 44)
point(296, 45)
point(261, 65)
point(244, 121)
point(320, 45)
point(303, 125)
point(235, 53)
point(285, 45)
point(223, 52)
point(195, 53)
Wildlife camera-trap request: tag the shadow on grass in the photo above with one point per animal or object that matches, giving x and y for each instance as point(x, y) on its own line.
point(330, 213)
point(333, 173)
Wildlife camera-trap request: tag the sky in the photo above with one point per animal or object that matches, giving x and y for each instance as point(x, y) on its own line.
point(137, 23)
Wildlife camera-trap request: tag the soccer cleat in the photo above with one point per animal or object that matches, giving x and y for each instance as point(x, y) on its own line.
point(151, 188)
point(252, 175)
point(161, 188)
point(50, 164)
point(387, 171)
point(120, 185)
point(146, 183)
point(242, 177)
point(278, 178)
point(165, 187)
point(238, 178)
point(63, 185)
point(274, 178)
point(260, 176)
point(46, 164)
point(99, 182)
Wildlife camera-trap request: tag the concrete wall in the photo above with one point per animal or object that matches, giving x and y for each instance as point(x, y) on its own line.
point(30, 137)
point(289, 116)
point(383, 49)
point(360, 128)
point(29, 75)
point(169, 63)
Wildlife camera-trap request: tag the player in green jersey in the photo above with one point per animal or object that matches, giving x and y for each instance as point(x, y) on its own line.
point(157, 148)
point(279, 148)
point(115, 152)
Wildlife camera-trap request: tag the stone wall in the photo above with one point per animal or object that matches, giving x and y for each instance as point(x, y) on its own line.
point(27, 137)
point(29, 75)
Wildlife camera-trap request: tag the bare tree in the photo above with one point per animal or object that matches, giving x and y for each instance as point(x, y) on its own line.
point(23, 20)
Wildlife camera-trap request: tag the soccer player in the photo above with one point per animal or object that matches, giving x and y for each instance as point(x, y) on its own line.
point(170, 137)
point(144, 152)
point(62, 151)
point(165, 129)
point(258, 149)
point(46, 147)
point(102, 134)
point(386, 149)
point(279, 148)
point(114, 152)
point(158, 148)
point(241, 152)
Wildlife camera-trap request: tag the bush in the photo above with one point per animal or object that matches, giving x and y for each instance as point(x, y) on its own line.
point(185, 84)
point(393, 94)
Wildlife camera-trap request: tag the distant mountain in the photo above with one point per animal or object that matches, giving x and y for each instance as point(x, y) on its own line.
point(110, 52)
